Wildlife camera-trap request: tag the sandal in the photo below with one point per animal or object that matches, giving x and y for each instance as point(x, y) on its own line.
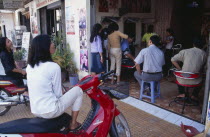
point(77, 127)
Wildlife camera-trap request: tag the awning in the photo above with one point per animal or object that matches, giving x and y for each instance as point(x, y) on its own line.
point(12, 4)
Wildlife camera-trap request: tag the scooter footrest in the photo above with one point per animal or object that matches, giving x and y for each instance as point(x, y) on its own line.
point(15, 89)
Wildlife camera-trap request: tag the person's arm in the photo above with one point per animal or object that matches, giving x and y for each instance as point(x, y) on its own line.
point(122, 35)
point(23, 72)
point(138, 68)
point(99, 46)
point(56, 80)
point(138, 60)
point(178, 57)
point(7, 64)
point(176, 65)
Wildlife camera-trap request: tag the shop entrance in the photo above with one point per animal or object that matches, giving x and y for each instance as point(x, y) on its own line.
point(50, 17)
point(185, 19)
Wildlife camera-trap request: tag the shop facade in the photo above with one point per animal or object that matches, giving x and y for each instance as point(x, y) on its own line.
point(74, 19)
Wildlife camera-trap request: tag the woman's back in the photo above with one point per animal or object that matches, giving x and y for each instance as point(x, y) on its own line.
point(44, 84)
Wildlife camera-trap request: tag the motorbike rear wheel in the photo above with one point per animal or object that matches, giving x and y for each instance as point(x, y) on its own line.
point(119, 127)
point(3, 95)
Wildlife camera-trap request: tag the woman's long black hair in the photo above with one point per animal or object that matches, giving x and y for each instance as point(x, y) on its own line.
point(3, 44)
point(96, 28)
point(40, 50)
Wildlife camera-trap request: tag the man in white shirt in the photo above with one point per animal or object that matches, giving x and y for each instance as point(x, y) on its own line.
point(153, 59)
point(193, 60)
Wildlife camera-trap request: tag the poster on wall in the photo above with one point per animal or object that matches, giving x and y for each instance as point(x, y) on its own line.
point(103, 6)
point(70, 22)
point(84, 60)
point(83, 40)
point(34, 23)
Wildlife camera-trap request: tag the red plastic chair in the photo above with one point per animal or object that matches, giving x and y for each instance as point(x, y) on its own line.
point(186, 101)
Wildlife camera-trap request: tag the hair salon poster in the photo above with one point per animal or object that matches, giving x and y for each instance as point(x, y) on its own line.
point(70, 21)
point(83, 40)
point(33, 19)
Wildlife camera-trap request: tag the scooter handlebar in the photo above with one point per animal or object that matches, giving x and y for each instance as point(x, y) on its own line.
point(104, 75)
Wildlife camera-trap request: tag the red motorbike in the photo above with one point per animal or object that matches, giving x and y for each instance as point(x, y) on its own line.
point(103, 118)
point(10, 95)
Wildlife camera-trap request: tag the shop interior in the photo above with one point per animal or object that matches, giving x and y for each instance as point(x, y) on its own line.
point(188, 19)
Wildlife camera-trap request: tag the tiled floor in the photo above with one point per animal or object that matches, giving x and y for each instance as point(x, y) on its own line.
point(168, 92)
point(141, 123)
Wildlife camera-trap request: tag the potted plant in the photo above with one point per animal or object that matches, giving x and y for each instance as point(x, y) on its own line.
point(64, 58)
point(19, 56)
point(71, 67)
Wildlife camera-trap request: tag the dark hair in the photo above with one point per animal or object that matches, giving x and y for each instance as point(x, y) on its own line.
point(131, 35)
point(95, 31)
point(155, 40)
point(3, 44)
point(169, 30)
point(40, 50)
point(113, 27)
point(198, 42)
point(150, 29)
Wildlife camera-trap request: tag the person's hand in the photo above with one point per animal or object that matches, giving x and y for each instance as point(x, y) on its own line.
point(102, 60)
point(140, 71)
point(23, 72)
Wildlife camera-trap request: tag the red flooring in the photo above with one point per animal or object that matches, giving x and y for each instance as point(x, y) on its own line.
point(168, 92)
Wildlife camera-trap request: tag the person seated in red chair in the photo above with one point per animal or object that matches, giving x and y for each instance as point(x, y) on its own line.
point(193, 60)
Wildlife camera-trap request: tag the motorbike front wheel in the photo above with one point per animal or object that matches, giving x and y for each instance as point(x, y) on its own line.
point(4, 109)
point(119, 127)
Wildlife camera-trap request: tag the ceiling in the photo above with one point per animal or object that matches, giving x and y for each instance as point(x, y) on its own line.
point(13, 5)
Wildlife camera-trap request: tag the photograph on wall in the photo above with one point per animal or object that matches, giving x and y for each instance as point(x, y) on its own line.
point(82, 38)
point(34, 24)
point(137, 6)
point(82, 18)
point(103, 6)
point(84, 60)
point(70, 22)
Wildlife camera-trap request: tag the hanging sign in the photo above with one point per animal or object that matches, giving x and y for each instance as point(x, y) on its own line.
point(12, 4)
point(43, 3)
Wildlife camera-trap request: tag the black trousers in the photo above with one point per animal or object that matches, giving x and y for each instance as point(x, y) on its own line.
point(17, 79)
point(195, 92)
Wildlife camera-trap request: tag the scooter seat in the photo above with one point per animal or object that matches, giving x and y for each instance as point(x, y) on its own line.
point(36, 125)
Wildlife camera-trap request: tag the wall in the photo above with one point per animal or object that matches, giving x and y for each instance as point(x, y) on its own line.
point(143, 17)
point(72, 9)
point(7, 19)
point(163, 16)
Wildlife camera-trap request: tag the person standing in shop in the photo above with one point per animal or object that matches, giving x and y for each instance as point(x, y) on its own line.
point(146, 36)
point(168, 50)
point(96, 50)
point(114, 49)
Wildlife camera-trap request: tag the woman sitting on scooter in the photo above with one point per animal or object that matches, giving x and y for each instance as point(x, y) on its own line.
point(44, 84)
point(9, 71)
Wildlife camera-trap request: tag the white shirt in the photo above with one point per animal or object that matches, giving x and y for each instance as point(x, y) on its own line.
point(170, 44)
point(96, 45)
point(44, 84)
point(152, 57)
point(2, 71)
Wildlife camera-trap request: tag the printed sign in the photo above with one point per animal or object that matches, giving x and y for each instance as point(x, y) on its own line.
point(70, 22)
point(13, 4)
point(42, 3)
point(26, 40)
